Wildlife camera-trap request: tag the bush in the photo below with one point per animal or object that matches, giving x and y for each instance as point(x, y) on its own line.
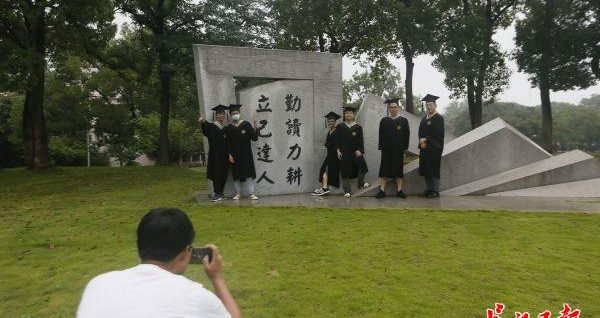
point(66, 151)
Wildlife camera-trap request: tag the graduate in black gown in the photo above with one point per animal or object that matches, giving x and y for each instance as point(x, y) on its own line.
point(351, 151)
point(240, 134)
point(394, 135)
point(329, 174)
point(431, 146)
point(218, 165)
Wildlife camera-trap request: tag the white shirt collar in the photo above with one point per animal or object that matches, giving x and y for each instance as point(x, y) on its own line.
point(429, 116)
point(350, 124)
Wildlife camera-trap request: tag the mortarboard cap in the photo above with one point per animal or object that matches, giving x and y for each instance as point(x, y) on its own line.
point(234, 107)
point(429, 98)
point(332, 115)
point(219, 108)
point(391, 100)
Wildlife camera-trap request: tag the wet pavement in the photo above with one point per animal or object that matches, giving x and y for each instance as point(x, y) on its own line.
point(522, 204)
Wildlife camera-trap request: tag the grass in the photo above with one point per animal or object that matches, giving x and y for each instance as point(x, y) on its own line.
point(62, 227)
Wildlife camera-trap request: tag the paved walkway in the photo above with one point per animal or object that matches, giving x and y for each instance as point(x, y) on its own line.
point(413, 202)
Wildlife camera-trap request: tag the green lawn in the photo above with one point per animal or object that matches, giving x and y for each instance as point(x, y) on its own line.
point(60, 228)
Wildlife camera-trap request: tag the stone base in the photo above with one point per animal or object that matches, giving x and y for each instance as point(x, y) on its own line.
point(567, 167)
point(578, 189)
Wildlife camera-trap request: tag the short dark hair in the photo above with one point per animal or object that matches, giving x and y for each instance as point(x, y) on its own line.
point(163, 233)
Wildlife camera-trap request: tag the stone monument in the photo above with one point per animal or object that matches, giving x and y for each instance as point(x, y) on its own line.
point(309, 83)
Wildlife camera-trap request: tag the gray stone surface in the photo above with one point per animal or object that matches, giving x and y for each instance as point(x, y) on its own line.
point(476, 204)
point(578, 189)
point(490, 149)
point(567, 167)
point(371, 111)
point(275, 162)
point(216, 67)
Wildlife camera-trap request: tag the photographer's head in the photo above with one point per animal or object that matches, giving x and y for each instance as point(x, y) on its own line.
point(164, 238)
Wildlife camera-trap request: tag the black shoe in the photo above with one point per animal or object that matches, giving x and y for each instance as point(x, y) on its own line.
point(380, 194)
point(433, 194)
point(425, 193)
point(401, 194)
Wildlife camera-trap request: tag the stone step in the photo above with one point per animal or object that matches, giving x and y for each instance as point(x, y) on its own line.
point(578, 189)
point(567, 167)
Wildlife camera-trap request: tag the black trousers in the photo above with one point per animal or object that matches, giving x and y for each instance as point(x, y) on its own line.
point(218, 186)
point(432, 184)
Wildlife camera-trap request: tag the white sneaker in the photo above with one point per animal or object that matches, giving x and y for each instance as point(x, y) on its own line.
point(324, 192)
point(346, 195)
point(366, 185)
point(318, 192)
point(253, 197)
point(237, 197)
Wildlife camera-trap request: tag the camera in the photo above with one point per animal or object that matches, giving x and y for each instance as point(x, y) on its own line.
point(199, 253)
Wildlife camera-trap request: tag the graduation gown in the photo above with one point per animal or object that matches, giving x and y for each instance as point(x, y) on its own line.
point(240, 147)
point(394, 137)
point(331, 164)
point(430, 158)
point(350, 139)
point(218, 164)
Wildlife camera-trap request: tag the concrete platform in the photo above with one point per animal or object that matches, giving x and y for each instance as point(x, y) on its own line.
point(567, 167)
point(475, 203)
point(578, 189)
point(490, 149)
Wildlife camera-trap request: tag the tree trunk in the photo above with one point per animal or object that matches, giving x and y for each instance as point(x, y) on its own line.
point(477, 114)
point(596, 62)
point(164, 77)
point(410, 66)
point(546, 118)
point(164, 156)
point(35, 140)
point(471, 102)
point(321, 43)
point(544, 80)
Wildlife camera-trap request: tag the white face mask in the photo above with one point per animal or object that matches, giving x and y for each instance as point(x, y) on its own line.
point(235, 117)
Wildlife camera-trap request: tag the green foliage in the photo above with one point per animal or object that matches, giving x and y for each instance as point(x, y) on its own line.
point(34, 34)
point(593, 100)
point(468, 51)
point(65, 226)
point(382, 79)
point(550, 42)
point(336, 26)
point(11, 140)
point(576, 126)
point(68, 151)
point(405, 27)
point(185, 140)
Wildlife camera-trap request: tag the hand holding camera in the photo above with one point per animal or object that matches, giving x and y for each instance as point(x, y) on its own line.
point(210, 259)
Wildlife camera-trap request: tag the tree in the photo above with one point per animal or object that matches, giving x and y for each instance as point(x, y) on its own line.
point(335, 26)
point(382, 79)
point(405, 29)
point(593, 100)
point(472, 61)
point(576, 125)
point(31, 34)
point(549, 48)
point(174, 25)
point(593, 44)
